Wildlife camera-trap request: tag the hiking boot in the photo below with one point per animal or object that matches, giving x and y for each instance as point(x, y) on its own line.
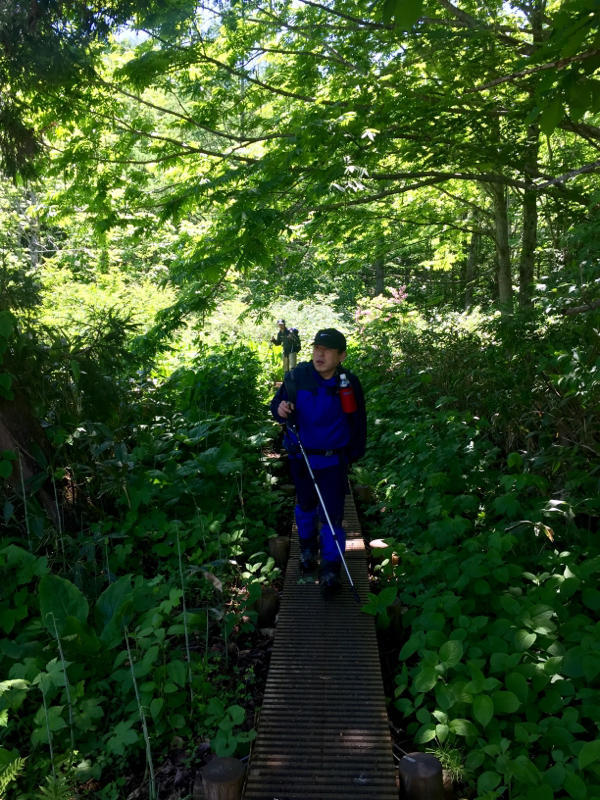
point(308, 555)
point(329, 580)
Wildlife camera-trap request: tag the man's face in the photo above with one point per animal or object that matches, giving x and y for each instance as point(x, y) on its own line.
point(326, 359)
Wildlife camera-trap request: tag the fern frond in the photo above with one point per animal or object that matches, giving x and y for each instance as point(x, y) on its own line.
point(58, 788)
point(8, 773)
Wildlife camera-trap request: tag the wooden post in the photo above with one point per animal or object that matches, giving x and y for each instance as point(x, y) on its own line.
point(364, 493)
point(222, 779)
point(421, 777)
point(279, 548)
point(267, 607)
point(381, 549)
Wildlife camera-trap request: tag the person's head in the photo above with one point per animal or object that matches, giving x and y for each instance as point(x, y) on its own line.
point(329, 350)
point(281, 323)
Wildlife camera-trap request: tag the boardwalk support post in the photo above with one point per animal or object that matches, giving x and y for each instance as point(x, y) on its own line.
point(267, 607)
point(421, 777)
point(279, 548)
point(223, 779)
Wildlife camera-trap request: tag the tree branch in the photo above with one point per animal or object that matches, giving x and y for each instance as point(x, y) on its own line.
point(274, 89)
point(474, 24)
point(336, 59)
point(482, 177)
point(587, 132)
point(463, 200)
point(586, 169)
point(525, 73)
point(581, 309)
point(119, 123)
point(375, 197)
point(487, 177)
point(362, 22)
point(242, 140)
point(244, 75)
point(303, 29)
point(135, 162)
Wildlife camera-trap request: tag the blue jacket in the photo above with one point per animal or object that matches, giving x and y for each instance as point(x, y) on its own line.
point(321, 423)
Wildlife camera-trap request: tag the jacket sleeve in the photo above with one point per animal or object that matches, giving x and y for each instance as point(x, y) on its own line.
point(358, 441)
point(280, 395)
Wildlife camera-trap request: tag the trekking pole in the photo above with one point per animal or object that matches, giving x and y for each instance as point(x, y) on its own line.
point(320, 496)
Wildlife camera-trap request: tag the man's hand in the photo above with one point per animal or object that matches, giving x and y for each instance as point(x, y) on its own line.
point(285, 408)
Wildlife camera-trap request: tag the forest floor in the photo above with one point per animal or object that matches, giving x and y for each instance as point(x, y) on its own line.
point(178, 772)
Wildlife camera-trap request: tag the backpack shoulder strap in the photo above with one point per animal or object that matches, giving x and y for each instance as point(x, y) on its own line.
point(301, 377)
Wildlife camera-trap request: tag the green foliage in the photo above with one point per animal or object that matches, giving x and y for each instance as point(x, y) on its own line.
point(377, 605)
point(10, 766)
point(179, 509)
point(402, 12)
point(227, 741)
point(276, 182)
point(223, 381)
point(496, 570)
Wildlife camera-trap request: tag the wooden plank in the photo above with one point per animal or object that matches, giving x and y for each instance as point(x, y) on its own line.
point(323, 730)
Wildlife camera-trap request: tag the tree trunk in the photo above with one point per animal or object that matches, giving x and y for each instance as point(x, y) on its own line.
point(528, 245)
point(21, 433)
point(505, 297)
point(379, 275)
point(471, 267)
point(33, 236)
point(535, 14)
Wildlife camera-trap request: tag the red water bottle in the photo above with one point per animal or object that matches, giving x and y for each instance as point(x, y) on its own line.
point(347, 395)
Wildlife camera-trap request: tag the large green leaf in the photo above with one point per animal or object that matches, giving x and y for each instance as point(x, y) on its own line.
point(524, 639)
point(575, 786)
point(505, 702)
point(589, 754)
point(525, 770)
point(551, 116)
point(451, 653)
point(59, 600)
point(483, 709)
point(425, 679)
point(404, 13)
point(463, 727)
point(487, 782)
point(111, 610)
point(515, 682)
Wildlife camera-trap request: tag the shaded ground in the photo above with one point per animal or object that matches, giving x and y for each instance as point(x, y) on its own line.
point(177, 774)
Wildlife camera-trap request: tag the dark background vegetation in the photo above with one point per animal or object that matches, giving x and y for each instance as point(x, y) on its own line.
point(176, 177)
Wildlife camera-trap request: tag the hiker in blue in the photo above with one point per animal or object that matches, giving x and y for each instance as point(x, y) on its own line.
point(332, 439)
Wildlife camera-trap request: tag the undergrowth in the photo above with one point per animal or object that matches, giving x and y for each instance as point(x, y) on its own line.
point(483, 462)
point(126, 608)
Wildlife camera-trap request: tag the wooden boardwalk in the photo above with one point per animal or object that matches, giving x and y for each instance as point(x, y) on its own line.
point(323, 730)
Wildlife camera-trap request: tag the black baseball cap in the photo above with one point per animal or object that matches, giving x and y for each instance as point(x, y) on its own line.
point(330, 337)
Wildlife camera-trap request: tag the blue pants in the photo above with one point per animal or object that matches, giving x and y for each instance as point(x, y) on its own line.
point(309, 513)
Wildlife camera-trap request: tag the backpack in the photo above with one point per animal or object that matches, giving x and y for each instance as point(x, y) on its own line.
point(296, 345)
